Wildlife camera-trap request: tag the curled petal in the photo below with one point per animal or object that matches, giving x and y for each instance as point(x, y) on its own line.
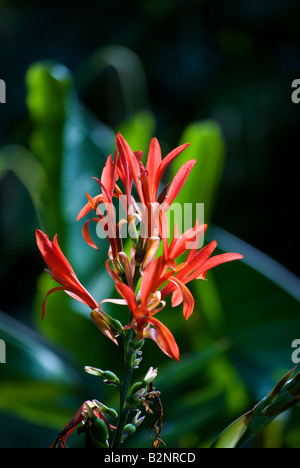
point(92, 204)
point(185, 295)
point(59, 288)
point(86, 234)
point(163, 338)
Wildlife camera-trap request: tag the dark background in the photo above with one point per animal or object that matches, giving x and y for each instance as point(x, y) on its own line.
point(232, 61)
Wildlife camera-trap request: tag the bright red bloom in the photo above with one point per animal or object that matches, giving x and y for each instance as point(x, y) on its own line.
point(147, 179)
point(165, 276)
point(143, 319)
point(62, 272)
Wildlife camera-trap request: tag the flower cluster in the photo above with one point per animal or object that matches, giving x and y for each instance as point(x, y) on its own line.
point(144, 278)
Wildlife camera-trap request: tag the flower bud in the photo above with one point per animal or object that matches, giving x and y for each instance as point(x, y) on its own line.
point(99, 433)
point(105, 409)
point(150, 376)
point(137, 420)
point(107, 375)
point(129, 429)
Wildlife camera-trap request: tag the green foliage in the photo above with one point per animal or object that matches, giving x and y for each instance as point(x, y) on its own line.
point(233, 347)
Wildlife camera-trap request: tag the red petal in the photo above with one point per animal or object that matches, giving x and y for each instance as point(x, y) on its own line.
point(163, 338)
point(128, 295)
point(124, 147)
point(86, 234)
point(167, 160)
point(92, 204)
point(150, 279)
point(178, 182)
point(152, 166)
point(215, 261)
point(59, 288)
point(185, 295)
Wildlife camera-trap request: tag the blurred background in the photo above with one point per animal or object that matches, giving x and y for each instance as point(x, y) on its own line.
point(215, 74)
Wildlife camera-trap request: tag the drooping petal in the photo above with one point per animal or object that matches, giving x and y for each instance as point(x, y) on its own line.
point(185, 295)
point(58, 288)
point(163, 338)
point(86, 234)
point(53, 256)
point(60, 442)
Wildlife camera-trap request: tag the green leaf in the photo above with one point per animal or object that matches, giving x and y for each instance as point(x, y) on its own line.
point(231, 437)
point(35, 381)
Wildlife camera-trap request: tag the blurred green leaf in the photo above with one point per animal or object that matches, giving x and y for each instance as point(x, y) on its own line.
point(284, 395)
point(208, 148)
point(26, 167)
point(138, 129)
point(35, 381)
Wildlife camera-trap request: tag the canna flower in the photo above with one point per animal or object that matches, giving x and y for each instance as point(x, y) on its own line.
point(62, 272)
point(147, 179)
point(163, 277)
point(88, 413)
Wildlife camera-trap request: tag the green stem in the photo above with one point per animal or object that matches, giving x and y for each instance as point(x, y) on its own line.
point(123, 412)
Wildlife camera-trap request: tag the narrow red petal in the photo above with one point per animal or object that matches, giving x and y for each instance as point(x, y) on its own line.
point(150, 279)
point(86, 234)
point(131, 158)
point(152, 166)
point(167, 160)
point(178, 182)
point(215, 261)
point(129, 296)
point(59, 288)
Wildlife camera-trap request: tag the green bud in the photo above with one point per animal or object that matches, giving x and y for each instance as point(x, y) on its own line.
point(107, 375)
point(135, 398)
point(105, 409)
point(99, 433)
point(136, 345)
point(129, 429)
point(136, 387)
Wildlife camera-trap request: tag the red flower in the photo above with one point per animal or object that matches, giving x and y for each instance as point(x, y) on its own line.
point(164, 273)
point(62, 272)
point(88, 411)
point(143, 319)
point(147, 179)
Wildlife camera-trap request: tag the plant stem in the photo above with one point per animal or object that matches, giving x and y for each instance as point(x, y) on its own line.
point(123, 413)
